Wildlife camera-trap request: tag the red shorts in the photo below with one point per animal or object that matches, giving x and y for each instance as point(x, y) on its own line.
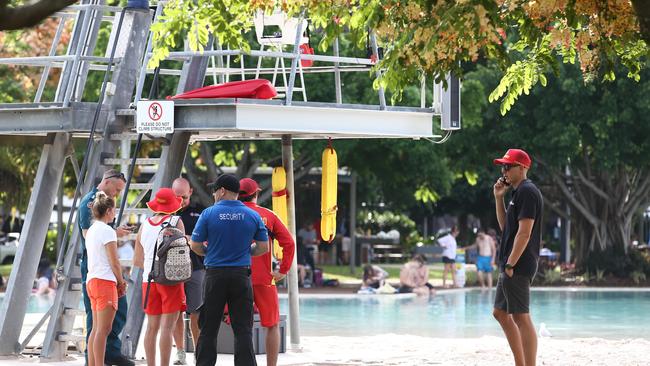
point(266, 299)
point(102, 293)
point(164, 299)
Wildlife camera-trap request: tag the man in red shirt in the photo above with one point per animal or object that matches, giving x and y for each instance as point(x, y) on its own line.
point(265, 294)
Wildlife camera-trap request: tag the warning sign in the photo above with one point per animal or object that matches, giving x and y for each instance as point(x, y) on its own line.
point(155, 117)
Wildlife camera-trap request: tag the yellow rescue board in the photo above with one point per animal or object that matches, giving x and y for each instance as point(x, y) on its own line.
point(328, 194)
point(279, 186)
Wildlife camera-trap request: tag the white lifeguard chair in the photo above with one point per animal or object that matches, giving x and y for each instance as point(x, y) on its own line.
point(276, 31)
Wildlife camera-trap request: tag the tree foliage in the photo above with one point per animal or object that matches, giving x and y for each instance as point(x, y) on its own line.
point(589, 147)
point(525, 38)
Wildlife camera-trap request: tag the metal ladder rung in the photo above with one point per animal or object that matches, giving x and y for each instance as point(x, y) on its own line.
point(74, 312)
point(138, 161)
point(137, 211)
point(140, 186)
point(125, 112)
point(65, 337)
point(128, 136)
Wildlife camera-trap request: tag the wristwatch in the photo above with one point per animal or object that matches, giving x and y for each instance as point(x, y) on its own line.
point(509, 266)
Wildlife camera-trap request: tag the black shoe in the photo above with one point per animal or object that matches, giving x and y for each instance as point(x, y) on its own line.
point(120, 360)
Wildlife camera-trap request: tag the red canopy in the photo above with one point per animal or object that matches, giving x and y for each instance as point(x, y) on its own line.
point(255, 89)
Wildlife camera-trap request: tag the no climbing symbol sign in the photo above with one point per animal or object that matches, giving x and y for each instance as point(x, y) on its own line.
point(155, 117)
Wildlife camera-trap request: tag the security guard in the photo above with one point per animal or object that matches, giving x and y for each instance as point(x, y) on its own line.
point(223, 234)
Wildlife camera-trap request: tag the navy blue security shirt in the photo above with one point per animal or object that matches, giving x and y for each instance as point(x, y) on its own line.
point(229, 227)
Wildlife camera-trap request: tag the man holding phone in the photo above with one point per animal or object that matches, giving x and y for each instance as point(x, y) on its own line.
point(520, 224)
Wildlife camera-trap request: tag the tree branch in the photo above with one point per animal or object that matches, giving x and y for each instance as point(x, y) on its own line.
point(591, 185)
point(208, 159)
point(642, 10)
point(205, 198)
point(12, 18)
point(555, 208)
point(593, 220)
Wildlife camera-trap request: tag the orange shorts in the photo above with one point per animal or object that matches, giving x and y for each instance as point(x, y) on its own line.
point(266, 299)
point(102, 293)
point(164, 299)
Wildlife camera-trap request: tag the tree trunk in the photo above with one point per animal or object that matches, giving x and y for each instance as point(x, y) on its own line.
point(604, 205)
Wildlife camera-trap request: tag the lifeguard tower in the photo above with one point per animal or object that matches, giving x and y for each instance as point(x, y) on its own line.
point(107, 126)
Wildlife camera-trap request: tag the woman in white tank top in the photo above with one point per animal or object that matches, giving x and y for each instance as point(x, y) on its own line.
point(164, 302)
point(104, 282)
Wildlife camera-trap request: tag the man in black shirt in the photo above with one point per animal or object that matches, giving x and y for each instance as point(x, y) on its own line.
point(520, 224)
point(194, 287)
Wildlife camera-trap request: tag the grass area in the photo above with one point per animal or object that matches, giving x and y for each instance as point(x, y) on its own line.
point(5, 270)
point(342, 273)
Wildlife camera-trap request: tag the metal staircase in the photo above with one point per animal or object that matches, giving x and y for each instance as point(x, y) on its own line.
point(130, 27)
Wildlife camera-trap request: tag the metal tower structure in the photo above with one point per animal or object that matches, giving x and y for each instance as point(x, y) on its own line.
point(108, 125)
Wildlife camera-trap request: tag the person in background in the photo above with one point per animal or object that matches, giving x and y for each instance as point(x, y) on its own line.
point(229, 228)
point(486, 258)
point(264, 278)
point(373, 276)
point(189, 213)
point(414, 277)
point(105, 283)
point(448, 242)
point(165, 302)
point(309, 239)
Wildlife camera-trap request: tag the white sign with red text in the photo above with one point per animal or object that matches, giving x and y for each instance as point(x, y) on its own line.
point(155, 117)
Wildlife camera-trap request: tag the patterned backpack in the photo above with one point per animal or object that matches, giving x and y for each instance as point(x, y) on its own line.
point(172, 264)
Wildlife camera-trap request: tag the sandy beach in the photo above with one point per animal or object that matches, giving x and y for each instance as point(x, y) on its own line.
point(390, 349)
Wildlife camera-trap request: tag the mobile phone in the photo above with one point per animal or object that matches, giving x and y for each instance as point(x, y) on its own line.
point(504, 181)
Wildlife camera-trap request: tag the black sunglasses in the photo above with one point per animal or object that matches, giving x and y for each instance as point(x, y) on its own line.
point(121, 176)
point(506, 167)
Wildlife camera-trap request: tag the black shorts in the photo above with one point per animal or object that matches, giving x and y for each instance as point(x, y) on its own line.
point(513, 294)
point(448, 260)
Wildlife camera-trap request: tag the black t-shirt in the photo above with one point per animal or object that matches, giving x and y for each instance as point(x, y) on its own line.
point(190, 215)
point(526, 203)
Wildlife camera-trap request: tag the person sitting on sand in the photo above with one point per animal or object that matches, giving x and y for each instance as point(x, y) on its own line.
point(414, 277)
point(373, 276)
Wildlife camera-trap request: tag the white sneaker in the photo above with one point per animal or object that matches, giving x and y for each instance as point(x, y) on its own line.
point(181, 357)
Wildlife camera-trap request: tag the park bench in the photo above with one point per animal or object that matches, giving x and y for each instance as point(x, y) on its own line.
point(385, 253)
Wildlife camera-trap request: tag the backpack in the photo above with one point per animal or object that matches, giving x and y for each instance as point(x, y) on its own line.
point(172, 263)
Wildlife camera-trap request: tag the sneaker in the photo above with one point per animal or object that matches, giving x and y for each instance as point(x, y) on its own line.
point(181, 357)
point(121, 360)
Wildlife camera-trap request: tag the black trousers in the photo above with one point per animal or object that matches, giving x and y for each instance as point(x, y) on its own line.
point(232, 286)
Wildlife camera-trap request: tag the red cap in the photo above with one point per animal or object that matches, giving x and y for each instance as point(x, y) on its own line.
point(248, 187)
point(514, 156)
point(165, 202)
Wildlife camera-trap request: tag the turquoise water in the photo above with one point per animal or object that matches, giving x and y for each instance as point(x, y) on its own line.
point(567, 314)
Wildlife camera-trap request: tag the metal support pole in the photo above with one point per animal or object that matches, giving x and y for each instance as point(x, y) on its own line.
point(337, 74)
point(353, 223)
point(23, 272)
point(294, 306)
point(294, 63)
point(375, 51)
